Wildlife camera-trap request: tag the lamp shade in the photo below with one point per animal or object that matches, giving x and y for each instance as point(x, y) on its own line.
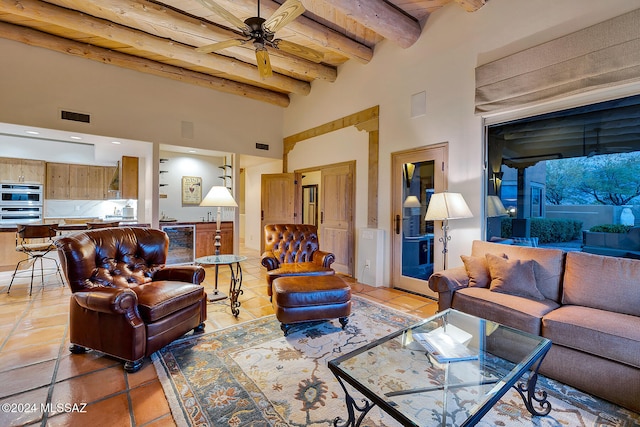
point(411, 202)
point(219, 196)
point(495, 207)
point(447, 206)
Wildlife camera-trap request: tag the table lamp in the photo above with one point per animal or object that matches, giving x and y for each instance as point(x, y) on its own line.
point(443, 207)
point(221, 197)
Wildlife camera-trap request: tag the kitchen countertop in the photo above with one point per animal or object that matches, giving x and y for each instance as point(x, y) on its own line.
point(67, 227)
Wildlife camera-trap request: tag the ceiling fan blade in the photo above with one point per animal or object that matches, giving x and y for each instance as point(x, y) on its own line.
point(264, 64)
point(287, 12)
point(220, 45)
point(224, 13)
point(299, 50)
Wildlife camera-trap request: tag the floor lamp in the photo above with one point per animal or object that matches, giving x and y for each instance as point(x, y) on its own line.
point(443, 207)
point(218, 197)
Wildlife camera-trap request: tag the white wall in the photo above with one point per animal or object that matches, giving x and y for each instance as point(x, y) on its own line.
point(180, 165)
point(253, 177)
point(340, 146)
point(35, 84)
point(442, 64)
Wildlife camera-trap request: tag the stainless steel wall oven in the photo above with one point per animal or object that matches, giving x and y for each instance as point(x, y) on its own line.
point(20, 203)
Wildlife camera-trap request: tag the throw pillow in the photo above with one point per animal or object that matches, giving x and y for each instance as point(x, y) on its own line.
point(477, 270)
point(513, 277)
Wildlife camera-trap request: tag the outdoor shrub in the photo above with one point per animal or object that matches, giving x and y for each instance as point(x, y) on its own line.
point(548, 230)
point(611, 228)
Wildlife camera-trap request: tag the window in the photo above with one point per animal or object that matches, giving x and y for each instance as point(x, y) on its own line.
point(580, 164)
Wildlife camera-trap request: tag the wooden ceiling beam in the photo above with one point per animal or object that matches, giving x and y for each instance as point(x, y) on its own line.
point(164, 22)
point(229, 68)
point(380, 17)
point(471, 5)
point(106, 56)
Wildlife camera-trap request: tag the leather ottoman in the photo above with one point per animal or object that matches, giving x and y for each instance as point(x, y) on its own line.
point(306, 298)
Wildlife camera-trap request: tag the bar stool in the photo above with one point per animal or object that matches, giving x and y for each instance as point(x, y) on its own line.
point(36, 241)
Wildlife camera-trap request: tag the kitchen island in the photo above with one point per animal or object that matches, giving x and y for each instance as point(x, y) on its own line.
point(9, 257)
point(202, 242)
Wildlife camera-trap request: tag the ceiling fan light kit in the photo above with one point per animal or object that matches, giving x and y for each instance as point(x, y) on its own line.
point(261, 32)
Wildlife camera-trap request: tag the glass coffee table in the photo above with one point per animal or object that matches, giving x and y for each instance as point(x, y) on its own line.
point(447, 370)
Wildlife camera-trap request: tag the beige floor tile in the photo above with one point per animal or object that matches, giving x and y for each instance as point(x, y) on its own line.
point(12, 359)
point(110, 412)
point(148, 402)
point(90, 387)
point(26, 378)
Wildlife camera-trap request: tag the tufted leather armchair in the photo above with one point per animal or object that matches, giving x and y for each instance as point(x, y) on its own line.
point(293, 250)
point(125, 302)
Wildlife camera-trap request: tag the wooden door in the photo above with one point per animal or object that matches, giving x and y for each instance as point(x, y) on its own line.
point(336, 215)
point(281, 198)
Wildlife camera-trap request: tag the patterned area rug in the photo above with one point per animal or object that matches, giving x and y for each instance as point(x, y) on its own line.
point(251, 375)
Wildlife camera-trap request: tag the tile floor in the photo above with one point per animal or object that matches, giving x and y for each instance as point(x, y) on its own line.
point(41, 380)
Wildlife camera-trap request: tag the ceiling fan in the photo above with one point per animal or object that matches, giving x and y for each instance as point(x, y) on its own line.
point(261, 32)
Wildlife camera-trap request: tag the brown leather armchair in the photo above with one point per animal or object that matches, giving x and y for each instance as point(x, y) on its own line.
point(125, 302)
point(293, 250)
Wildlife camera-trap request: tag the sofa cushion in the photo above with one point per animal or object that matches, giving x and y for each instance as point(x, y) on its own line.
point(602, 282)
point(162, 298)
point(510, 310)
point(477, 270)
point(614, 336)
point(514, 277)
point(548, 267)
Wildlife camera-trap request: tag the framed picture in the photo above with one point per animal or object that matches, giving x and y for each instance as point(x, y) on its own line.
point(191, 190)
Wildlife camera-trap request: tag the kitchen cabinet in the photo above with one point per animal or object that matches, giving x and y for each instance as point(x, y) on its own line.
point(57, 181)
point(205, 238)
point(129, 178)
point(66, 181)
point(22, 170)
point(87, 182)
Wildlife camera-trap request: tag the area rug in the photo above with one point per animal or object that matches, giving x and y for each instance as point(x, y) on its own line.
point(251, 375)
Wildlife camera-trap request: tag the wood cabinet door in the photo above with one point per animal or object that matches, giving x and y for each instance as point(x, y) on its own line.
point(129, 177)
point(57, 182)
point(78, 182)
point(32, 171)
point(205, 238)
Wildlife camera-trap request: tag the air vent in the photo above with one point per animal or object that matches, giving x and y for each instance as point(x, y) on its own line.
point(76, 117)
point(260, 146)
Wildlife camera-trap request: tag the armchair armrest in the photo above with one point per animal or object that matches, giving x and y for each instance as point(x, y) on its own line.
point(322, 258)
point(269, 261)
point(107, 300)
point(446, 282)
point(183, 273)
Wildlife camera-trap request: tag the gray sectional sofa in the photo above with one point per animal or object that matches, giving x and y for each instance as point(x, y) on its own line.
point(587, 305)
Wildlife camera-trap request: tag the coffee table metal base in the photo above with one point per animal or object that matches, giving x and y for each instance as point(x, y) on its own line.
point(527, 391)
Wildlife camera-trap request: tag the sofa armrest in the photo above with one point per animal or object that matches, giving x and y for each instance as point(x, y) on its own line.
point(108, 300)
point(182, 273)
point(322, 258)
point(269, 261)
point(446, 282)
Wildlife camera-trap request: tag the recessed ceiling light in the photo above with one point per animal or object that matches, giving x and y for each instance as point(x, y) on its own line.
point(77, 138)
point(191, 151)
point(32, 132)
point(116, 142)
